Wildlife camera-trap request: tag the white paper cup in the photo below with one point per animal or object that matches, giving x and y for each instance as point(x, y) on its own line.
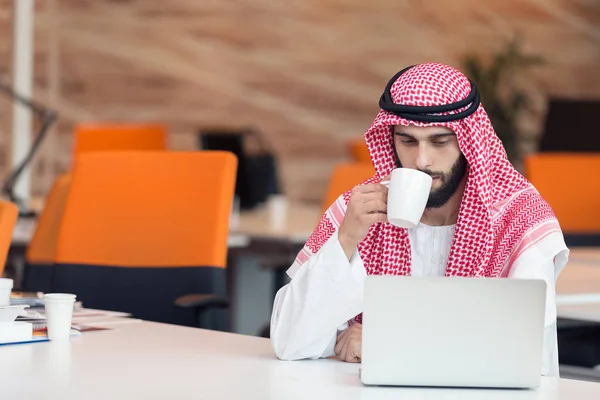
point(6, 286)
point(234, 216)
point(278, 209)
point(59, 312)
point(407, 196)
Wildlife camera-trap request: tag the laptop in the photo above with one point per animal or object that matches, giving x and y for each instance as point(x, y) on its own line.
point(453, 332)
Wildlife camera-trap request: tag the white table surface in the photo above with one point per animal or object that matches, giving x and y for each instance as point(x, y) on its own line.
point(583, 254)
point(578, 289)
point(155, 361)
point(299, 222)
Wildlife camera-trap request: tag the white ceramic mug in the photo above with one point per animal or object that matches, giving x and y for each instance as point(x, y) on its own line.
point(6, 286)
point(408, 192)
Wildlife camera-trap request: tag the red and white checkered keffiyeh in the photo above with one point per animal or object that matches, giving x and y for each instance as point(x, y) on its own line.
point(501, 214)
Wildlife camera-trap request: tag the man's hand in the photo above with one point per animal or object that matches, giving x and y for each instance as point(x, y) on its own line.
point(348, 345)
point(367, 206)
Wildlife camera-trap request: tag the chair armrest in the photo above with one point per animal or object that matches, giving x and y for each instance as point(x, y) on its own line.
point(201, 305)
point(201, 301)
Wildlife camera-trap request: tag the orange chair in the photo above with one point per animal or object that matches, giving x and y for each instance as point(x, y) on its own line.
point(41, 251)
point(567, 182)
point(141, 229)
point(343, 178)
point(119, 136)
point(359, 151)
point(8, 219)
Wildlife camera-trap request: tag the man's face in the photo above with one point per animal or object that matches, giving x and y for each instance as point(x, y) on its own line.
point(435, 151)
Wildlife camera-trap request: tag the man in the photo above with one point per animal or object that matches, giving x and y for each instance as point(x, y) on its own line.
point(483, 219)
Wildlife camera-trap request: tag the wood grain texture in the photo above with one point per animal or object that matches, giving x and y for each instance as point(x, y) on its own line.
point(307, 73)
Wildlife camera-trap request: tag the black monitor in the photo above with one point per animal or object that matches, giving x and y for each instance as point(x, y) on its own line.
point(572, 126)
point(256, 174)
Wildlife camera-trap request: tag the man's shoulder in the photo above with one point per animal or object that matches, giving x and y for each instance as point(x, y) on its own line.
point(525, 207)
point(523, 200)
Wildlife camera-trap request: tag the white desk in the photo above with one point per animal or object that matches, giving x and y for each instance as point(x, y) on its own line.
point(579, 278)
point(301, 220)
point(155, 361)
point(591, 255)
point(578, 289)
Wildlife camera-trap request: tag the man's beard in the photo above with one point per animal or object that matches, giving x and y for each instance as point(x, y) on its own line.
point(450, 183)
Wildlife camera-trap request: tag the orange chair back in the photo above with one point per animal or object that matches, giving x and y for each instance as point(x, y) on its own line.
point(8, 218)
point(343, 178)
point(42, 247)
point(567, 182)
point(360, 151)
point(119, 136)
point(148, 209)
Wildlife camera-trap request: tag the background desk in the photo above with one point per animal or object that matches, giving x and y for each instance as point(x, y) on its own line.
point(578, 286)
point(156, 361)
point(578, 309)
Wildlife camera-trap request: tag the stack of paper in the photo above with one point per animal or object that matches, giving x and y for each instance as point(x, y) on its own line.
point(84, 319)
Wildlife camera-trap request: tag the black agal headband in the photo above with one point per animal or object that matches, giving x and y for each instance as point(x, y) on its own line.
point(425, 113)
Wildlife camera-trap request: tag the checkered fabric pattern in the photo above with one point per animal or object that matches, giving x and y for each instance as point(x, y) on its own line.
point(501, 214)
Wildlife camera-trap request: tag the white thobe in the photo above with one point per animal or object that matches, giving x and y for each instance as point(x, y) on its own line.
point(327, 291)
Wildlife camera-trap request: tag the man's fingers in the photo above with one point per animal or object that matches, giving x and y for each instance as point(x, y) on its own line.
point(348, 344)
point(374, 206)
point(338, 345)
point(353, 348)
point(367, 197)
point(374, 218)
point(339, 342)
point(370, 188)
point(343, 334)
point(344, 349)
point(356, 347)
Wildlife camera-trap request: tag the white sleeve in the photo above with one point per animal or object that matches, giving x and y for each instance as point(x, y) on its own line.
point(308, 312)
point(545, 260)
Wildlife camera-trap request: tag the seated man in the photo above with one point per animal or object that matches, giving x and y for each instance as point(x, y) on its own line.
point(483, 219)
